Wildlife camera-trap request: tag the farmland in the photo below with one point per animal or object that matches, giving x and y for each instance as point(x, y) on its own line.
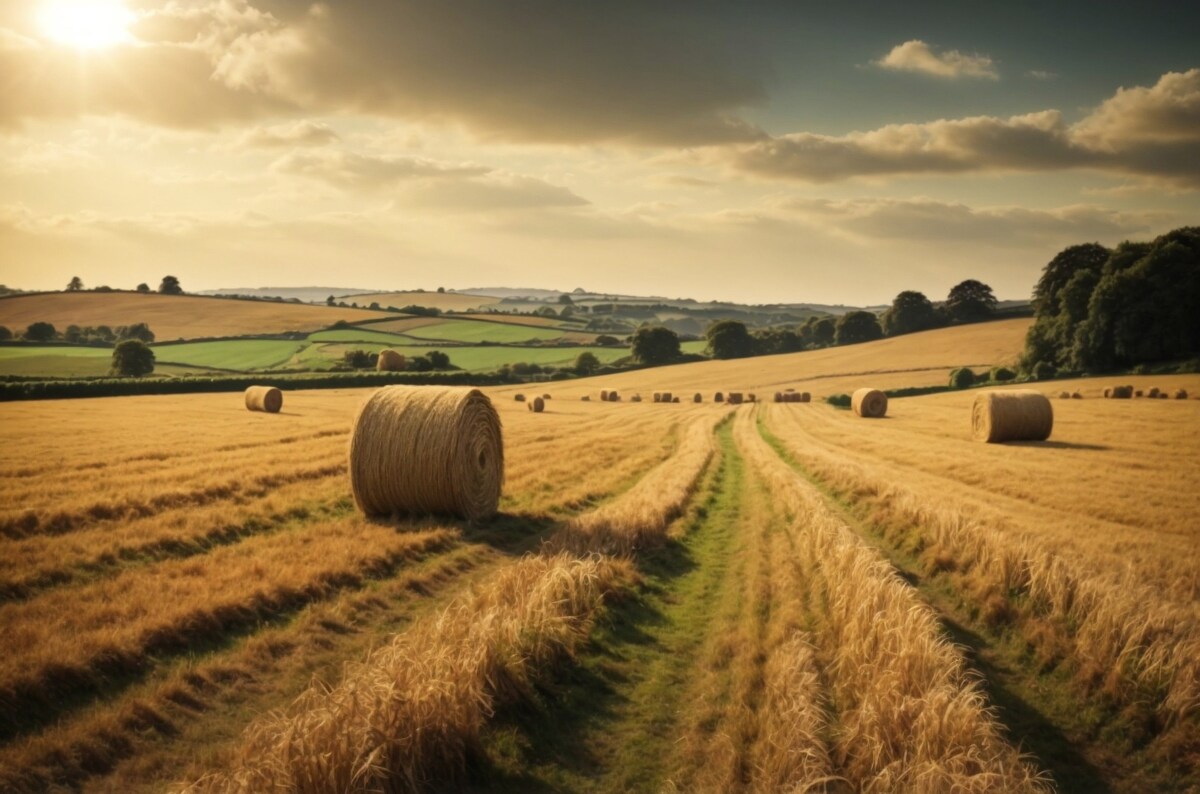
point(689, 596)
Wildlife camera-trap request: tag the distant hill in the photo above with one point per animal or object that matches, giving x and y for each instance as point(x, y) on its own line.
point(172, 317)
point(306, 294)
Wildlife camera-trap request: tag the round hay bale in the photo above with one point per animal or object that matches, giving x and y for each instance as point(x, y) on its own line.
point(871, 403)
point(264, 398)
point(1122, 392)
point(779, 397)
point(1163, 396)
point(537, 405)
point(1139, 393)
point(389, 361)
point(545, 396)
point(1108, 392)
point(586, 398)
point(1076, 395)
point(637, 398)
point(1181, 394)
point(751, 397)
point(604, 395)
point(1016, 415)
point(675, 399)
point(614, 396)
point(424, 449)
point(1064, 395)
point(735, 398)
point(1153, 393)
point(519, 398)
point(696, 398)
point(805, 397)
point(718, 397)
point(668, 397)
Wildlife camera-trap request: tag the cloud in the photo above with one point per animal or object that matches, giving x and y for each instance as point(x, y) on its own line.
point(351, 171)
point(287, 136)
point(1041, 74)
point(491, 193)
point(917, 56)
point(1147, 132)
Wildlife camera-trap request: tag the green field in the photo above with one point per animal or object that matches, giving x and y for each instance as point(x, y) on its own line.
point(384, 338)
point(234, 354)
point(483, 331)
point(484, 358)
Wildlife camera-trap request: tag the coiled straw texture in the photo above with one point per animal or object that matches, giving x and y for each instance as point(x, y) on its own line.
point(423, 449)
point(869, 402)
point(264, 398)
point(1017, 415)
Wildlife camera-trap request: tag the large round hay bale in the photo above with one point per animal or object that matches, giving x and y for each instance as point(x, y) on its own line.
point(425, 449)
point(718, 397)
point(264, 398)
point(735, 398)
point(519, 398)
point(871, 403)
point(1017, 415)
point(1181, 394)
point(696, 398)
point(537, 405)
point(389, 361)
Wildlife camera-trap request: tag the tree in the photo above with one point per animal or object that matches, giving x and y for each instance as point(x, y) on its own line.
point(1047, 293)
point(5, 334)
point(911, 311)
point(170, 286)
point(655, 345)
point(586, 363)
point(970, 301)
point(546, 311)
point(607, 341)
point(143, 287)
point(855, 327)
point(331, 301)
point(565, 300)
point(40, 332)
point(729, 339)
point(76, 284)
point(441, 290)
point(823, 331)
point(73, 334)
point(136, 331)
point(132, 358)
point(438, 359)
point(777, 340)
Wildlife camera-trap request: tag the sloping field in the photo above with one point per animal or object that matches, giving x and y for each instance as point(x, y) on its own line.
point(684, 597)
point(446, 301)
point(172, 317)
point(468, 331)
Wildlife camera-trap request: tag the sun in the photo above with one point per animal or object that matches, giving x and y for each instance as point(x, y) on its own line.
point(85, 24)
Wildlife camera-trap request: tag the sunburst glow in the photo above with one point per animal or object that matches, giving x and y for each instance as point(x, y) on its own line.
point(86, 24)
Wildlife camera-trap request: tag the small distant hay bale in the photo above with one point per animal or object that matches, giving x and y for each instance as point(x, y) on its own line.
point(604, 395)
point(751, 397)
point(586, 398)
point(805, 397)
point(675, 399)
point(657, 396)
point(389, 361)
point(424, 449)
point(1016, 415)
point(614, 396)
point(779, 397)
point(1152, 393)
point(718, 397)
point(637, 398)
point(545, 396)
point(519, 398)
point(1076, 395)
point(1181, 394)
point(1108, 392)
point(869, 403)
point(1122, 392)
point(1163, 396)
point(1064, 395)
point(735, 398)
point(537, 405)
point(697, 398)
point(1139, 393)
point(264, 398)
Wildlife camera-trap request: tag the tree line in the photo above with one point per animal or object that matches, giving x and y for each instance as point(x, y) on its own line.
point(1098, 309)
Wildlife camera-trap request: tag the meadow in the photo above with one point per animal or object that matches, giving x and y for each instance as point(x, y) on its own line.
point(690, 597)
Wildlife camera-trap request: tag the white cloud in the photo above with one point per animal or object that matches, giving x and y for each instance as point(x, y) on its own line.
point(351, 171)
point(281, 136)
point(917, 56)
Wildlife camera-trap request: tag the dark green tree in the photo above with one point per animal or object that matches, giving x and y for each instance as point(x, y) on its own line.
point(5, 334)
point(823, 331)
point(132, 358)
point(438, 359)
point(586, 363)
point(910, 312)
point(136, 331)
point(40, 332)
point(855, 327)
point(607, 341)
point(143, 287)
point(566, 300)
point(76, 284)
point(73, 334)
point(777, 340)
point(655, 345)
point(970, 301)
point(729, 339)
point(170, 286)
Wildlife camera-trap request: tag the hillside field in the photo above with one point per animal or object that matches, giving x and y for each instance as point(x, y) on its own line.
point(687, 597)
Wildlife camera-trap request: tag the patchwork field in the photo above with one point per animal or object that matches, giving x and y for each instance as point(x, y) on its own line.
point(691, 597)
point(446, 301)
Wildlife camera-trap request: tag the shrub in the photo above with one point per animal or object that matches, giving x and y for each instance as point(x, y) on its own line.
point(1002, 374)
point(40, 332)
point(961, 378)
point(132, 358)
point(839, 400)
point(5, 334)
point(1043, 370)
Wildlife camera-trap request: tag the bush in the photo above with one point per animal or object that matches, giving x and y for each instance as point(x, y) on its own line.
point(1044, 370)
point(5, 334)
point(961, 378)
point(40, 332)
point(360, 359)
point(132, 358)
point(839, 400)
point(1002, 374)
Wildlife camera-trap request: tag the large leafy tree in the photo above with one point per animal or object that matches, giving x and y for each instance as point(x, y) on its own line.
point(729, 339)
point(586, 363)
point(76, 284)
point(136, 331)
point(855, 327)
point(655, 345)
point(970, 301)
point(910, 312)
point(170, 286)
point(40, 332)
point(132, 358)
point(823, 331)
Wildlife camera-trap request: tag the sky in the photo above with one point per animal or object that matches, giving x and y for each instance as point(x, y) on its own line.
point(749, 151)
